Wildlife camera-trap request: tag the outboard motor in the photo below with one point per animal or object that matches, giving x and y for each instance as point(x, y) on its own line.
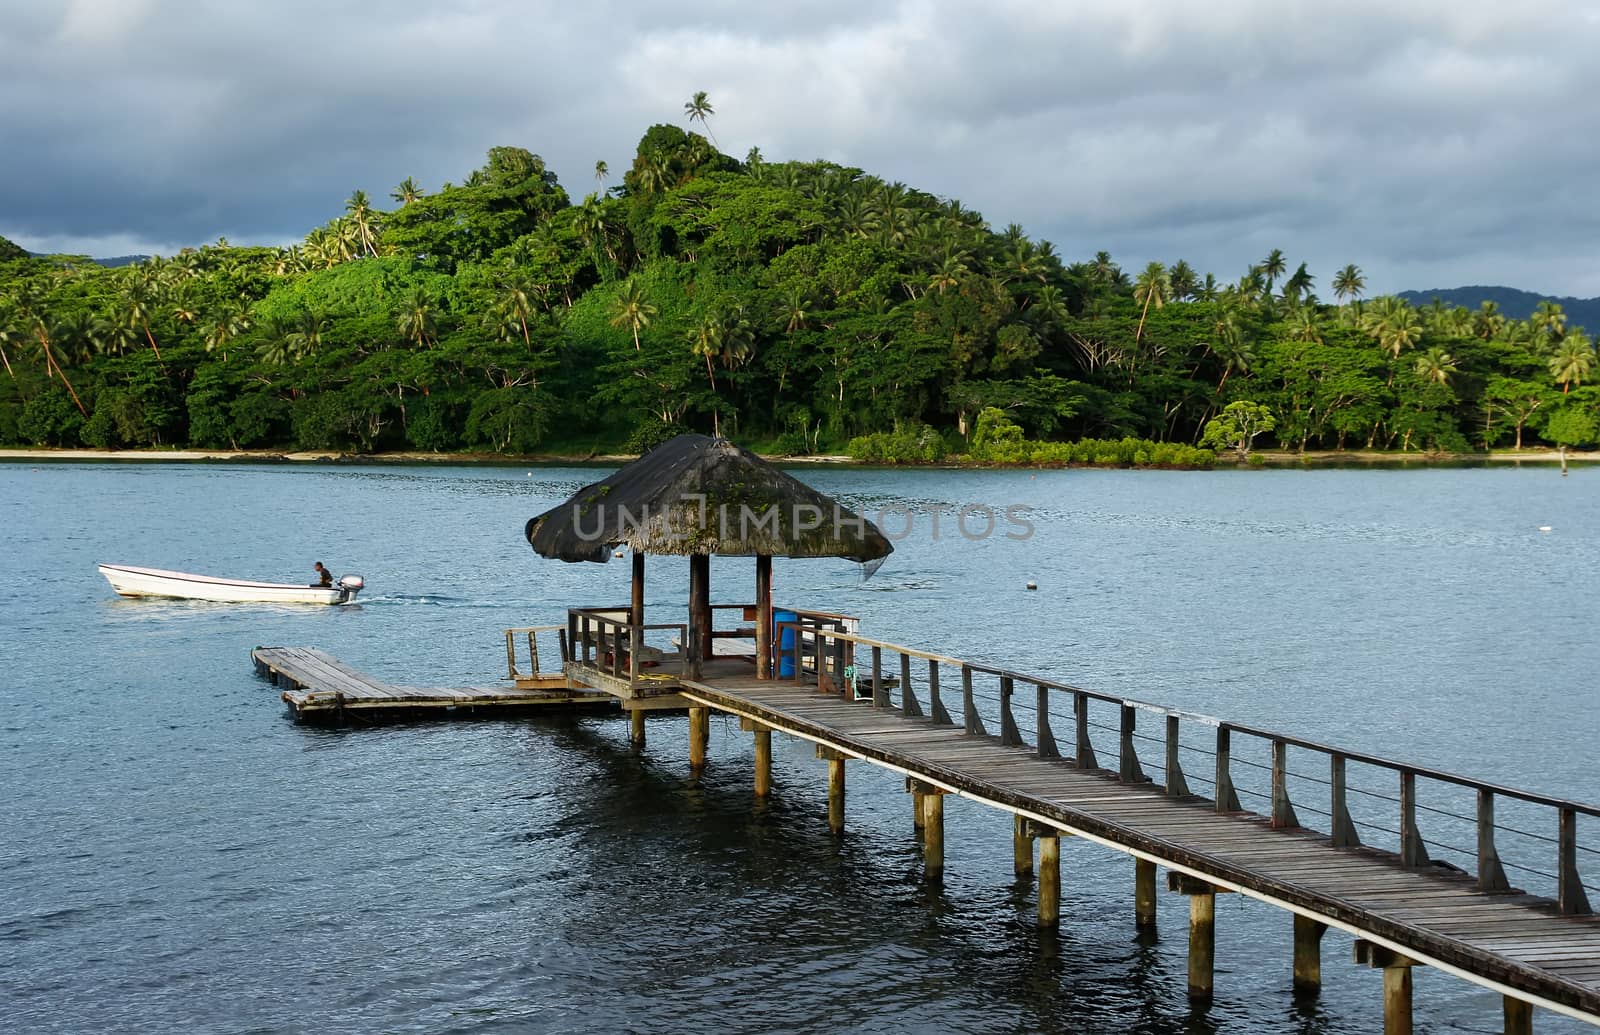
point(350, 585)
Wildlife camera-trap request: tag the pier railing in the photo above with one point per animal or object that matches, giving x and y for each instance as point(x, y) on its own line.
point(601, 641)
point(1179, 751)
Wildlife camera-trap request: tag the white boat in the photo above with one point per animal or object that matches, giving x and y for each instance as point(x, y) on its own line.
point(129, 581)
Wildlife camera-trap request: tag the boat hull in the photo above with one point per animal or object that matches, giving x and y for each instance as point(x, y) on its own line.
point(129, 581)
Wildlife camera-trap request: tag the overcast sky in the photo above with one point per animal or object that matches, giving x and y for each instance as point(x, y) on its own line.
point(1432, 142)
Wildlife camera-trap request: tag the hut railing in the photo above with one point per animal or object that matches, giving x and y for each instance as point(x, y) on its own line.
point(601, 641)
point(746, 630)
point(531, 632)
point(1354, 797)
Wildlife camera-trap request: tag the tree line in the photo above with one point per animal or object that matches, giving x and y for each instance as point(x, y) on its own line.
point(793, 305)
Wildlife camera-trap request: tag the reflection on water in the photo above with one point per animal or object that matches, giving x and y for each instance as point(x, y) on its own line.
point(178, 856)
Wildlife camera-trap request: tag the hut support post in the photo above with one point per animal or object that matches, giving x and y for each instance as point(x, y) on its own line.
point(699, 735)
point(1308, 955)
point(763, 616)
point(763, 736)
point(636, 612)
point(636, 732)
point(699, 612)
point(1144, 893)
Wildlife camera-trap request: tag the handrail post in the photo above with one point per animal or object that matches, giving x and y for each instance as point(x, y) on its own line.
point(533, 653)
point(1569, 884)
point(1344, 831)
point(1227, 797)
point(1177, 786)
point(880, 693)
point(819, 648)
point(935, 705)
point(1008, 723)
point(1083, 750)
point(1282, 809)
point(1491, 875)
point(909, 706)
point(1046, 737)
point(797, 648)
point(1413, 851)
point(511, 654)
point(971, 721)
point(1129, 770)
point(635, 649)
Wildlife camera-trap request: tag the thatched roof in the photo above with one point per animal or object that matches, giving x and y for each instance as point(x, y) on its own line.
point(699, 495)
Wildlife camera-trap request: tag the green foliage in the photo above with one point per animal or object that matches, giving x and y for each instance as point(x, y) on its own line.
point(10, 251)
point(650, 433)
point(1238, 426)
point(51, 419)
point(1573, 426)
point(915, 444)
point(797, 304)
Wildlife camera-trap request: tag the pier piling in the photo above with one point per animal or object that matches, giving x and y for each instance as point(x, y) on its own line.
point(1308, 955)
point(1144, 893)
point(1021, 847)
point(1049, 878)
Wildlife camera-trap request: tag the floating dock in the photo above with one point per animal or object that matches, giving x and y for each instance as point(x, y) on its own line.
point(317, 687)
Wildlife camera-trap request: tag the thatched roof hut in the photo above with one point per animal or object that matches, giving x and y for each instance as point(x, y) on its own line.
point(696, 496)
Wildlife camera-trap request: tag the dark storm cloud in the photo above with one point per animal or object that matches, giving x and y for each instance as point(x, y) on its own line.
point(1431, 142)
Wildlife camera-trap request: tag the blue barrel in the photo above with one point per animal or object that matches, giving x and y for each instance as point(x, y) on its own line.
point(784, 638)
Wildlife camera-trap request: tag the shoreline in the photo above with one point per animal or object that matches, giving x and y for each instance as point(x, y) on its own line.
point(1270, 458)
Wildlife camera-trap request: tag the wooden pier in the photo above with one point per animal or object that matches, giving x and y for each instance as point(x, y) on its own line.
point(317, 687)
point(1404, 911)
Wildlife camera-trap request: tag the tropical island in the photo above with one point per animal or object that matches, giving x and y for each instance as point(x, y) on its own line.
point(802, 307)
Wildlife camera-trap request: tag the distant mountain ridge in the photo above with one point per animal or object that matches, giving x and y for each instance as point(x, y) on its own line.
point(1514, 303)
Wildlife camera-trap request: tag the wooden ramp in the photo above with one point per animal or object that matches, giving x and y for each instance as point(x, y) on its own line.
point(317, 687)
point(1520, 945)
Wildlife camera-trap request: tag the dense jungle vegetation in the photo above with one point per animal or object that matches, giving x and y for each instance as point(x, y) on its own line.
point(796, 306)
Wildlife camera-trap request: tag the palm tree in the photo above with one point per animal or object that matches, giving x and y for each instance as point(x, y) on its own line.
point(631, 310)
point(699, 107)
point(359, 210)
point(1488, 321)
point(1436, 365)
point(138, 305)
point(1393, 324)
point(516, 307)
point(30, 310)
point(952, 266)
point(406, 192)
point(416, 319)
point(1273, 267)
point(1349, 283)
point(110, 337)
point(1549, 318)
point(705, 340)
point(1185, 282)
point(307, 335)
point(601, 170)
point(1572, 361)
point(1153, 286)
point(1298, 286)
point(795, 312)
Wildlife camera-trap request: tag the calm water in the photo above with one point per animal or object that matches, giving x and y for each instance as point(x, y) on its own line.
point(177, 855)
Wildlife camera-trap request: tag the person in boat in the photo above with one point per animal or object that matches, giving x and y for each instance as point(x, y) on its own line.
point(324, 576)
